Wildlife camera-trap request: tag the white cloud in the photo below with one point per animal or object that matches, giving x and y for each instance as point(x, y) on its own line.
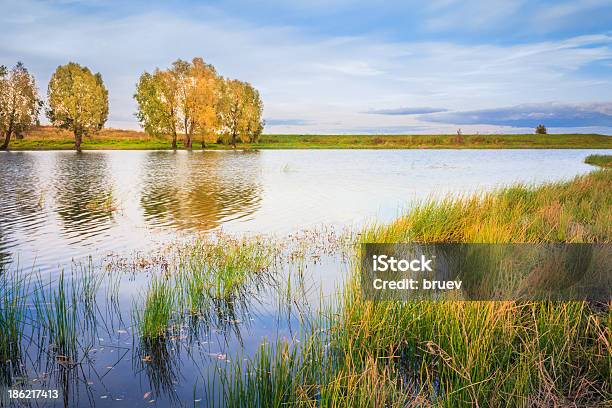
point(558, 115)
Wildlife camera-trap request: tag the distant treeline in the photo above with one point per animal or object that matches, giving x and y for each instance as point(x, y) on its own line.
point(188, 98)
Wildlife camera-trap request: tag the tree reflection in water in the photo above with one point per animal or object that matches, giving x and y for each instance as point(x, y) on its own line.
point(84, 197)
point(198, 191)
point(22, 201)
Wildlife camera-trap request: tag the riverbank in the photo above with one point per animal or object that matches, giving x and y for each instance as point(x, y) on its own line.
point(49, 138)
point(450, 353)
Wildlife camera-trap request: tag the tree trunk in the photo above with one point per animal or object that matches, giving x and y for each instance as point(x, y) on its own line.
point(187, 134)
point(203, 142)
point(234, 139)
point(187, 141)
point(7, 139)
point(174, 140)
point(78, 138)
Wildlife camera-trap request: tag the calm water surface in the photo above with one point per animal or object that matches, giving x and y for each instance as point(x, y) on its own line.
point(57, 206)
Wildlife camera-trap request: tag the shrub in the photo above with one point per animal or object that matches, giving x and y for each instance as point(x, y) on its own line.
point(541, 130)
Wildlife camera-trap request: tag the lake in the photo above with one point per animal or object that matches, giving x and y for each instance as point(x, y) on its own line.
point(100, 229)
point(57, 206)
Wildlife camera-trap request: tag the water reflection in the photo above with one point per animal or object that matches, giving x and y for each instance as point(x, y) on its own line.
point(84, 198)
point(199, 190)
point(59, 206)
point(22, 201)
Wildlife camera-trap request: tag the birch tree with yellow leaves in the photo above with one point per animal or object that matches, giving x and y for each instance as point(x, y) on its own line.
point(19, 102)
point(191, 98)
point(179, 99)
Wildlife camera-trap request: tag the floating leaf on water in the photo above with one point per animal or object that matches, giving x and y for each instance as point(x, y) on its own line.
point(104, 397)
point(147, 358)
point(146, 395)
point(121, 331)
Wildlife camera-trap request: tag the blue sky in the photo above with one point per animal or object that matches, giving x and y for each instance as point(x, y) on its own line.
point(340, 66)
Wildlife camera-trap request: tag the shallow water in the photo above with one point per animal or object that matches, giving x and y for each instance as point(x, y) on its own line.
point(126, 210)
point(57, 206)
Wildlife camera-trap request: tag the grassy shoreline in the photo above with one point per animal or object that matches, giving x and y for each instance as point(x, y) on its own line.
point(601, 160)
point(453, 353)
point(48, 138)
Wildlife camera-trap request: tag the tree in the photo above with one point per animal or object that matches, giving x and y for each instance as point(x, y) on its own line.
point(157, 104)
point(239, 111)
point(205, 96)
point(181, 98)
point(78, 101)
point(104, 112)
point(181, 74)
point(19, 102)
point(541, 130)
point(252, 111)
point(230, 109)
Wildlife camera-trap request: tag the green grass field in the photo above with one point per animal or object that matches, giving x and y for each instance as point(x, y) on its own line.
point(48, 138)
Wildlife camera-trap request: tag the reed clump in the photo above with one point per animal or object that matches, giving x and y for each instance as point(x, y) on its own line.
point(207, 279)
point(576, 211)
point(155, 319)
point(13, 295)
point(58, 315)
point(601, 160)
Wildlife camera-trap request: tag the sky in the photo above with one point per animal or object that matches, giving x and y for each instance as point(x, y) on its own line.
point(338, 66)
